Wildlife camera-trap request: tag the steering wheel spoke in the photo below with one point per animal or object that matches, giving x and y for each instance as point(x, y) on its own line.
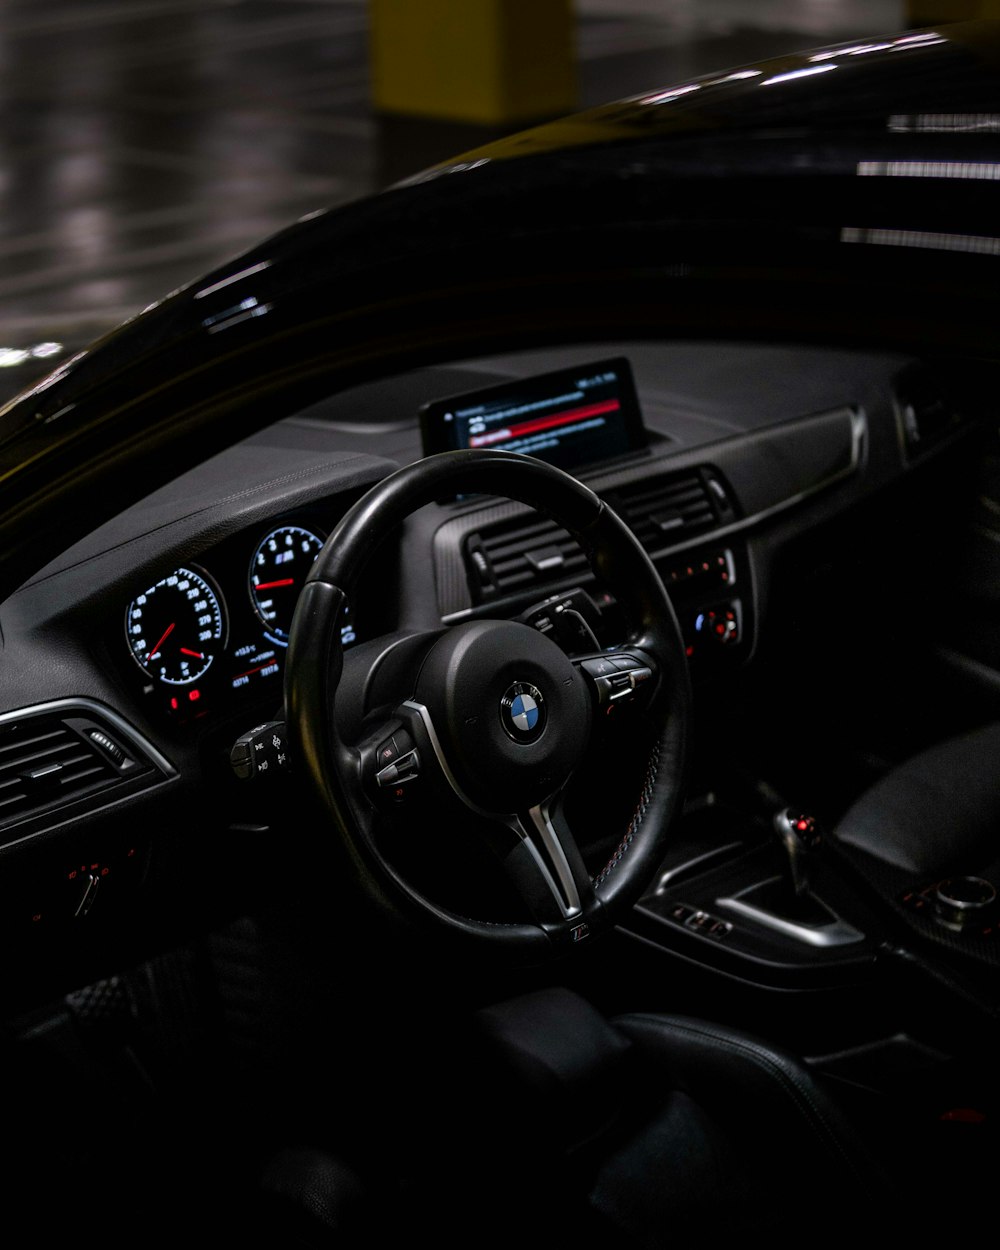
point(547, 869)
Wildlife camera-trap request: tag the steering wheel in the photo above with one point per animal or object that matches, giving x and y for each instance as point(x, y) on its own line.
point(490, 716)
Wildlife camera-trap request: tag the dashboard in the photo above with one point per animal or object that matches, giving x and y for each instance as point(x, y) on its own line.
point(185, 601)
point(695, 447)
point(159, 639)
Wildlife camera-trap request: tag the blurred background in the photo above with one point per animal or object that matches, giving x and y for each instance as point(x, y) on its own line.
point(143, 142)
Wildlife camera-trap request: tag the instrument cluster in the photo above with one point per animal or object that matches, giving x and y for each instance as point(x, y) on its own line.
point(215, 631)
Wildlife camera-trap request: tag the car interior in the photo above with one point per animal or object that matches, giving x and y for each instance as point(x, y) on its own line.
point(221, 1014)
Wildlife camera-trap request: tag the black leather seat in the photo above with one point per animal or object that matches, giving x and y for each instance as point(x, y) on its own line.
point(642, 1132)
point(738, 1135)
point(670, 1127)
point(937, 812)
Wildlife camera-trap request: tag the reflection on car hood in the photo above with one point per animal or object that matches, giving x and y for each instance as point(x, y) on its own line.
point(736, 188)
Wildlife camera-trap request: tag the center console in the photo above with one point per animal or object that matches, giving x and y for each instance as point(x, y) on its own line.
point(747, 890)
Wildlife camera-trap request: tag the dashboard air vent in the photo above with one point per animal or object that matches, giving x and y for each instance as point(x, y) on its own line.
point(671, 509)
point(527, 552)
point(522, 554)
point(51, 757)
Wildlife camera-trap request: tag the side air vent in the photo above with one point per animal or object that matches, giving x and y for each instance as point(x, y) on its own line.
point(524, 553)
point(56, 754)
point(925, 414)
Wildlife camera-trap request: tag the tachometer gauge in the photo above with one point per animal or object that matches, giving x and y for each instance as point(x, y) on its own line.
point(175, 628)
point(278, 572)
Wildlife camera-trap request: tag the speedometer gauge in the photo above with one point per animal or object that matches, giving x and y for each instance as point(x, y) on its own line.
point(278, 572)
point(175, 627)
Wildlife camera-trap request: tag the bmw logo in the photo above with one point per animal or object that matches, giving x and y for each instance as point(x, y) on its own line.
point(522, 712)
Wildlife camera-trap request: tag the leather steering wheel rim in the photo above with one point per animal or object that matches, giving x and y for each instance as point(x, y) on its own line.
point(315, 664)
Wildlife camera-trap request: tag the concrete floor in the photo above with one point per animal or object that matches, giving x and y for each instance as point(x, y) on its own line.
point(144, 141)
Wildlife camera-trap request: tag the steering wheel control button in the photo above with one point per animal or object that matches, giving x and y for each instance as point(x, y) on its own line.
point(616, 678)
point(260, 752)
point(522, 712)
point(393, 747)
point(602, 666)
point(406, 768)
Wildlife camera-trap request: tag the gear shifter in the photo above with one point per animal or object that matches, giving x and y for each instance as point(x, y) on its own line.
point(799, 836)
point(786, 904)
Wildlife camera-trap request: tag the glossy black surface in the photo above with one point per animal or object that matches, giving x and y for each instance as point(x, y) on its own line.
point(145, 142)
point(791, 151)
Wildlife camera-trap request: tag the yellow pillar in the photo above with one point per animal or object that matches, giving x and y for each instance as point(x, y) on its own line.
point(485, 62)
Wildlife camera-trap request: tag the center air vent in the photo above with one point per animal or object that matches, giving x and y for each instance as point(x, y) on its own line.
point(56, 754)
point(666, 511)
point(520, 554)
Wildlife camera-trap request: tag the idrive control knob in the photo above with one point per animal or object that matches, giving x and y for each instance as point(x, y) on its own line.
point(958, 900)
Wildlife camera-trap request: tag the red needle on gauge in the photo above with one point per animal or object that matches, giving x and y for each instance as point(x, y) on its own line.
point(285, 581)
point(250, 671)
point(166, 634)
point(197, 654)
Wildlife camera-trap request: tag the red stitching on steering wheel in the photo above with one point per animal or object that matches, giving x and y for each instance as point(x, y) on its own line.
point(652, 768)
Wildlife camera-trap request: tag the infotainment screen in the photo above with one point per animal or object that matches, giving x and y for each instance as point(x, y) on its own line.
point(573, 417)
